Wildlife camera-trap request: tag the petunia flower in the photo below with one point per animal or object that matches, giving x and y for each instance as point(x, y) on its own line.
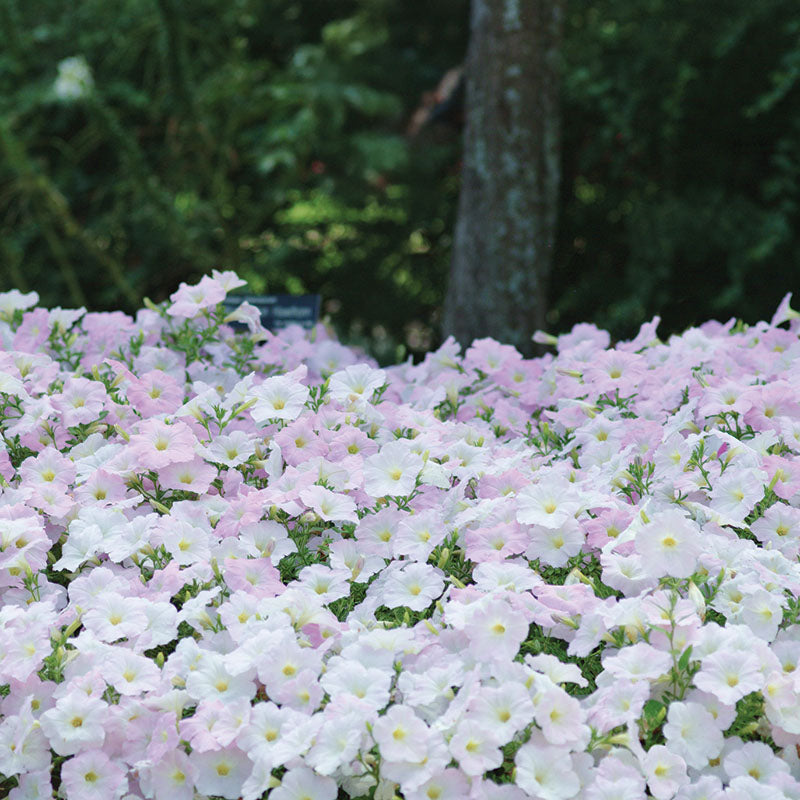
point(280, 397)
point(74, 724)
point(665, 772)
point(302, 783)
point(401, 735)
point(414, 586)
point(729, 675)
point(546, 772)
point(93, 776)
point(221, 772)
point(170, 778)
point(157, 444)
point(392, 471)
point(329, 506)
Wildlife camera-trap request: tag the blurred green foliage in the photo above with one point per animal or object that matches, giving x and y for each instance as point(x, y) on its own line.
point(268, 136)
point(681, 173)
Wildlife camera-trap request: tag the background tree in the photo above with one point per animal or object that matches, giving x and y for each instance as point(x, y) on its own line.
point(502, 250)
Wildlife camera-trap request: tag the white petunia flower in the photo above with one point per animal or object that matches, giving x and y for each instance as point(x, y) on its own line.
point(302, 783)
point(415, 586)
point(401, 735)
point(279, 397)
point(546, 772)
point(392, 471)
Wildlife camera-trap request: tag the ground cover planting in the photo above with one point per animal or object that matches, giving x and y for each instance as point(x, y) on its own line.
point(236, 564)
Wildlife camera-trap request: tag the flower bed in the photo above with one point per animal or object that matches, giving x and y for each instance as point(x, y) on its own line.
point(243, 565)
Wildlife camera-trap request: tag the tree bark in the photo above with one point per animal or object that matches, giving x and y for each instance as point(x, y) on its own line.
point(505, 229)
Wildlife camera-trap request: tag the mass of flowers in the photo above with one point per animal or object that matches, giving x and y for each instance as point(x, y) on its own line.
point(240, 564)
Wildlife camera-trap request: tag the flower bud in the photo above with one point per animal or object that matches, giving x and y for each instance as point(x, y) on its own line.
point(696, 596)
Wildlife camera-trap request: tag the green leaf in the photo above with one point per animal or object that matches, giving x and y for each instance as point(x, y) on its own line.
point(683, 661)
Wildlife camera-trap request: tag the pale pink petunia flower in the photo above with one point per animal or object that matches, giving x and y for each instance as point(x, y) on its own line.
point(554, 546)
point(449, 784)
point(475, 747)
point(221, 772)
point(337, 743)
point(230, 449)
point(755, 759)
point(130, 673)
point(171, 777)
point(155, 392)
point(495, 630)
point(779, 527)
point(415, 586)
point(692, 733)
point(302, 783)
point(393, 471)
point(80, 401)
point(280, 397)
point(639, 661)
point(665, 771)
point(345, 677)
point(75, 723)
point(192, 475)
point(355, 384)
point(561, 718)
point(157, 444)
point(93, 776)
point(327, 583)
point(401, 735)
point(546, 772)
point(736, 492)
point(503, 709)
point(375, 533)
point(212, 679)
point(730, 675)
point(329, 506)
point(549, 504)
point(116, 617)
point(33, 786)
point(189, 301)
point(669, 544)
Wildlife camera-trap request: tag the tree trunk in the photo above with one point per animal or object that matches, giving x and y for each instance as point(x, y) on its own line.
point(505, 229)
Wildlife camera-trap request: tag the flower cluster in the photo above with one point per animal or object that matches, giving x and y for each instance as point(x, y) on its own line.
point(238, 564)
